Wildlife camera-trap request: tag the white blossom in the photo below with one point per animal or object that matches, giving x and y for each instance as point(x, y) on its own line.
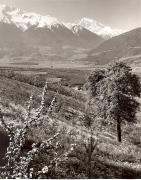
point(45, 170)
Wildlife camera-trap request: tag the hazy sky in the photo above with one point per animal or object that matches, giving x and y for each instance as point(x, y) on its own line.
point(123, 14)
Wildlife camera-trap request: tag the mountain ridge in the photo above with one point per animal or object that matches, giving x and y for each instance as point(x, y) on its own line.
point(98, 28)
point(124, 46)
point(25, 20)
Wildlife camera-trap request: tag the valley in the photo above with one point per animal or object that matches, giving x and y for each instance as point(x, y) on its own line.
point(50, 111)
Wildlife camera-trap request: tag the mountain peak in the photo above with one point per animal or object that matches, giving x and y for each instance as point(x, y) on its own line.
point(98, 28)
point(75, 28)
point(24, 20)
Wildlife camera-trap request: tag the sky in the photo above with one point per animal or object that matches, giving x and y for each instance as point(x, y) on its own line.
point(120, 14)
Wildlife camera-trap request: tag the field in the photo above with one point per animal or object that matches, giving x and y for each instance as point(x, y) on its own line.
point(41, 57)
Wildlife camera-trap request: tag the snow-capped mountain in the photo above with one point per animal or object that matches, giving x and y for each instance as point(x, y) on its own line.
point(24, 30)
point(105, 31)
point(25, 20)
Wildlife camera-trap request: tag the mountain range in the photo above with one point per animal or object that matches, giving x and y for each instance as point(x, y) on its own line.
point(25, 20)
point(30, 38)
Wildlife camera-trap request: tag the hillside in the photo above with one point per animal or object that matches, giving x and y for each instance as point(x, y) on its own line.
point(14, 97)
point(66, 110)
point(125, 45)
point(18, 93)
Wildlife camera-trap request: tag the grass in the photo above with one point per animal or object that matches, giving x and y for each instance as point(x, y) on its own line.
point(112, 160)
point(19, 93)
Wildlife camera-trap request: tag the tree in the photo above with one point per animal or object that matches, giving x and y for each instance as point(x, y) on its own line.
point(115, 94)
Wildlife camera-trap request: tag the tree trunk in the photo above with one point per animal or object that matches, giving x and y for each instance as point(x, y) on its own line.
point(118, 130)
point(89, 158)
point(90, 141)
